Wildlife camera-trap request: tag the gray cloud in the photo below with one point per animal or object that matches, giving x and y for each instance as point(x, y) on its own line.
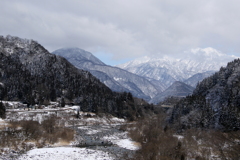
point(125, 29)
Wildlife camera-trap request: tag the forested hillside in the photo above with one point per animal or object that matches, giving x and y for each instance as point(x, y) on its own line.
point(29, 73)
point(214, 103)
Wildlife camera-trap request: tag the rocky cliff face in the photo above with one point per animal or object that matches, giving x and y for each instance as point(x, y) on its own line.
point(214, 103)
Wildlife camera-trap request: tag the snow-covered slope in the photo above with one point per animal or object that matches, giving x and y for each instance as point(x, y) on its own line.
point(196, 78)
point(179, 68)
point(177, 89)
point(70, 54)
point(115, 78)
point(214, 103)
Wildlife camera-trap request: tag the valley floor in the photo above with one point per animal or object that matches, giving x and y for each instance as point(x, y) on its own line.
point(95, 137)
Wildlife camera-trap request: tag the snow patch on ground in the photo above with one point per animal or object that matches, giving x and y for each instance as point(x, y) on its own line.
point(128, 144)
point(123, 141)
point(119, 120)
point(179, 137)
point(65, 153)
point(89, 130)
point(92, 131)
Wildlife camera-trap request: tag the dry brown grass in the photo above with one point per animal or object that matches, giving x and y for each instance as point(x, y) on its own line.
point(158, 142)
point(4, 124)
point(62, 143)
point(20, 133)
point(137, 144)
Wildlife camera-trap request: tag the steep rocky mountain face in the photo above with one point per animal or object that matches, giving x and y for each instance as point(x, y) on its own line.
point(177, 89)
point(214, 103)
point(115, 78)
point(29, 73)
point(167, 70)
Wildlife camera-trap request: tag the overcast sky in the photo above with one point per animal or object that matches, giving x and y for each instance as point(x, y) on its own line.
point(121, 30)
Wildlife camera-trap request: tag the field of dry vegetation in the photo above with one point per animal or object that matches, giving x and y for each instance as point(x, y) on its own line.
point(162, 142)
point(21, 136)
point(156, 139)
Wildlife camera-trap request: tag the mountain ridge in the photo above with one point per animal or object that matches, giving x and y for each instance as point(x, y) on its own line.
point(214, 103)
point(197, 78)
point(168, 69)
point(32, 75)
point(118, 79)
point(177, 89)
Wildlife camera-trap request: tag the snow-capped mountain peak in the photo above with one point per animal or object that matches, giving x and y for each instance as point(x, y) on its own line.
point(168, 69)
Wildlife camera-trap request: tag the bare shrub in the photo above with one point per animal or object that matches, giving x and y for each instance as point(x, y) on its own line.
point(194, 144)
point(226, 144)
point(14, 124)
point(66, 134)
point(123, 127)
point(41, 143)
point(49, 124)
point(55, 130)
point(156, 141)
point(159, 141)
point(30, 128)
point(20, 132)
point(234, 151)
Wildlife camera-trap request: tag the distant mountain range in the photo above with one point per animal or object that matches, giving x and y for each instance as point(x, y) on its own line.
point(196, 78)
point(177, 89)
point(189, 67)
point(115, 78)
point(149, 77)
